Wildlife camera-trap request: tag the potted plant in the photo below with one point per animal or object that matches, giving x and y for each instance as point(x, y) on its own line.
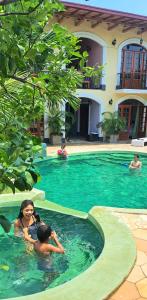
point(112, 125)
point(56, 123)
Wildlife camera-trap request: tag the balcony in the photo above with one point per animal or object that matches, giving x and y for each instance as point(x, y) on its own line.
point(37, 128)
point(135, 80)
point(92, 83)
point(94, 59)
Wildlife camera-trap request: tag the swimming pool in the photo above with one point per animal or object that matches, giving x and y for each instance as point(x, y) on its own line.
point(100, 178)
point(18, 269)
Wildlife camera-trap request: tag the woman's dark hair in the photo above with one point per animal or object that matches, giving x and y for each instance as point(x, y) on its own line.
point(43, 233)
point(137, 155)
point(24, 204)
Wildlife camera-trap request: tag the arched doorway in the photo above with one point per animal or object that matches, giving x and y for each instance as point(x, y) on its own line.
point(96, 49)
point(84, 122)
point(133, 67)
point(94, 59)
point(135, 114)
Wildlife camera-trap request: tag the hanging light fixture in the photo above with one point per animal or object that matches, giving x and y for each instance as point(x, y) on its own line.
point(141, 40)
point(114, 42)
point(110, 101)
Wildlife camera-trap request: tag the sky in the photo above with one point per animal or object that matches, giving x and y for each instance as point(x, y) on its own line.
point(132, 6)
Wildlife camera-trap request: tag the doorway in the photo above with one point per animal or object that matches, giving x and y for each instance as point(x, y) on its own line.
point(84, 117)
point(77, 122)
point(135, 115)
point(83, 122)
point(133, 67)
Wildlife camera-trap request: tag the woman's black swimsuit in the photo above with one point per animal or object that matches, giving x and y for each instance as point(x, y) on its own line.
point(32, 229)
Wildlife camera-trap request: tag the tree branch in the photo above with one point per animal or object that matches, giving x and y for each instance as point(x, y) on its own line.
point(25, 13)
point(23, 80)
point(9, 95)
point(31, 45)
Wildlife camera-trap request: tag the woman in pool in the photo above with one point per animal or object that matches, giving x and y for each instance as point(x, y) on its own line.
point(135, 164)
point(27, 222)
point(62, 152)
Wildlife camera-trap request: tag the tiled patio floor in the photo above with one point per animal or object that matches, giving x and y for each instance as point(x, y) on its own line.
point(135, 285)
point(71, 148)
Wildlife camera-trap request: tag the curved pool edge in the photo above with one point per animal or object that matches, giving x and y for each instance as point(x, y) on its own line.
point(20, 196)
point(122, 210)
point(38, 196)
point(132, 151)
point(107, 272)
point(119, 254)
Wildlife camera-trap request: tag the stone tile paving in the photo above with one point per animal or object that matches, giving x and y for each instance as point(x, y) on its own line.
point(76, 148)
point(135, 285)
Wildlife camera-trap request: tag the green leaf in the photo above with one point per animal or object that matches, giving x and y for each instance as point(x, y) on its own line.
point(20, 184)
point(35, 175)
point(9, 183)
point(32, 73)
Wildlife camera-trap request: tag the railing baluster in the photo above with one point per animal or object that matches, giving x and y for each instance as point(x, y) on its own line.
point(136, 80)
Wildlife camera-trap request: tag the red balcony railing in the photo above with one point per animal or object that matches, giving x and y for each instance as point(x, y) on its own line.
point(135, 80)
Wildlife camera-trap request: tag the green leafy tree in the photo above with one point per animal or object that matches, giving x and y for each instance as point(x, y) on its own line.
point(33, 56)
point(17, 169)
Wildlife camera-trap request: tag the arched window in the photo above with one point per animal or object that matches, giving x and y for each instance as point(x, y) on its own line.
point(134, 67)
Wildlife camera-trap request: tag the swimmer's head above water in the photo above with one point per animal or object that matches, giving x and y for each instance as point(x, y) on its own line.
point(136, 157)
point(27, 210)
point(44, 233)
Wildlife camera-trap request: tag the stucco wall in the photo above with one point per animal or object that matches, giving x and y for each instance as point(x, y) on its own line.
point(111, 59)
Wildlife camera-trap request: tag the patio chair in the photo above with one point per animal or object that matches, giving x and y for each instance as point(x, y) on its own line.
point(139, 142)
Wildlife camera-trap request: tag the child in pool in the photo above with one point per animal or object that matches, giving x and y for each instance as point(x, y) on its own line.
point(44, 249)
point(42, 246)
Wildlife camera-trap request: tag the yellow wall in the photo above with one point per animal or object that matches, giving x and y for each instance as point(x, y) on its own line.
point(111, 60)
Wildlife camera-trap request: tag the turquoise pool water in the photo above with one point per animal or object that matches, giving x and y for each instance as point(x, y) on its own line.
point(19, 273)
point(85, 180)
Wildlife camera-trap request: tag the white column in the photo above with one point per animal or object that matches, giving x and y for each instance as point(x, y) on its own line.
point(63, 118)
point(63, 109)
point(104, 59)
point(100, 120)
point(89, 115)
point(78, 121)
point(46, 119)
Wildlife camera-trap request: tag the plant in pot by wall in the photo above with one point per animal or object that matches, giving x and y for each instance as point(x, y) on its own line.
point(112, 125)
point(70, 124)
point(56, 122)
point(59, 120)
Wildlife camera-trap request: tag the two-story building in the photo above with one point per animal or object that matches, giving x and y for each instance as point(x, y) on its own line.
point(118, 41)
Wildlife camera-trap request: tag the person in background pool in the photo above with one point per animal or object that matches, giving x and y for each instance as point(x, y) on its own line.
point(27, 223)
point(136, 163)
point(62, 152)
